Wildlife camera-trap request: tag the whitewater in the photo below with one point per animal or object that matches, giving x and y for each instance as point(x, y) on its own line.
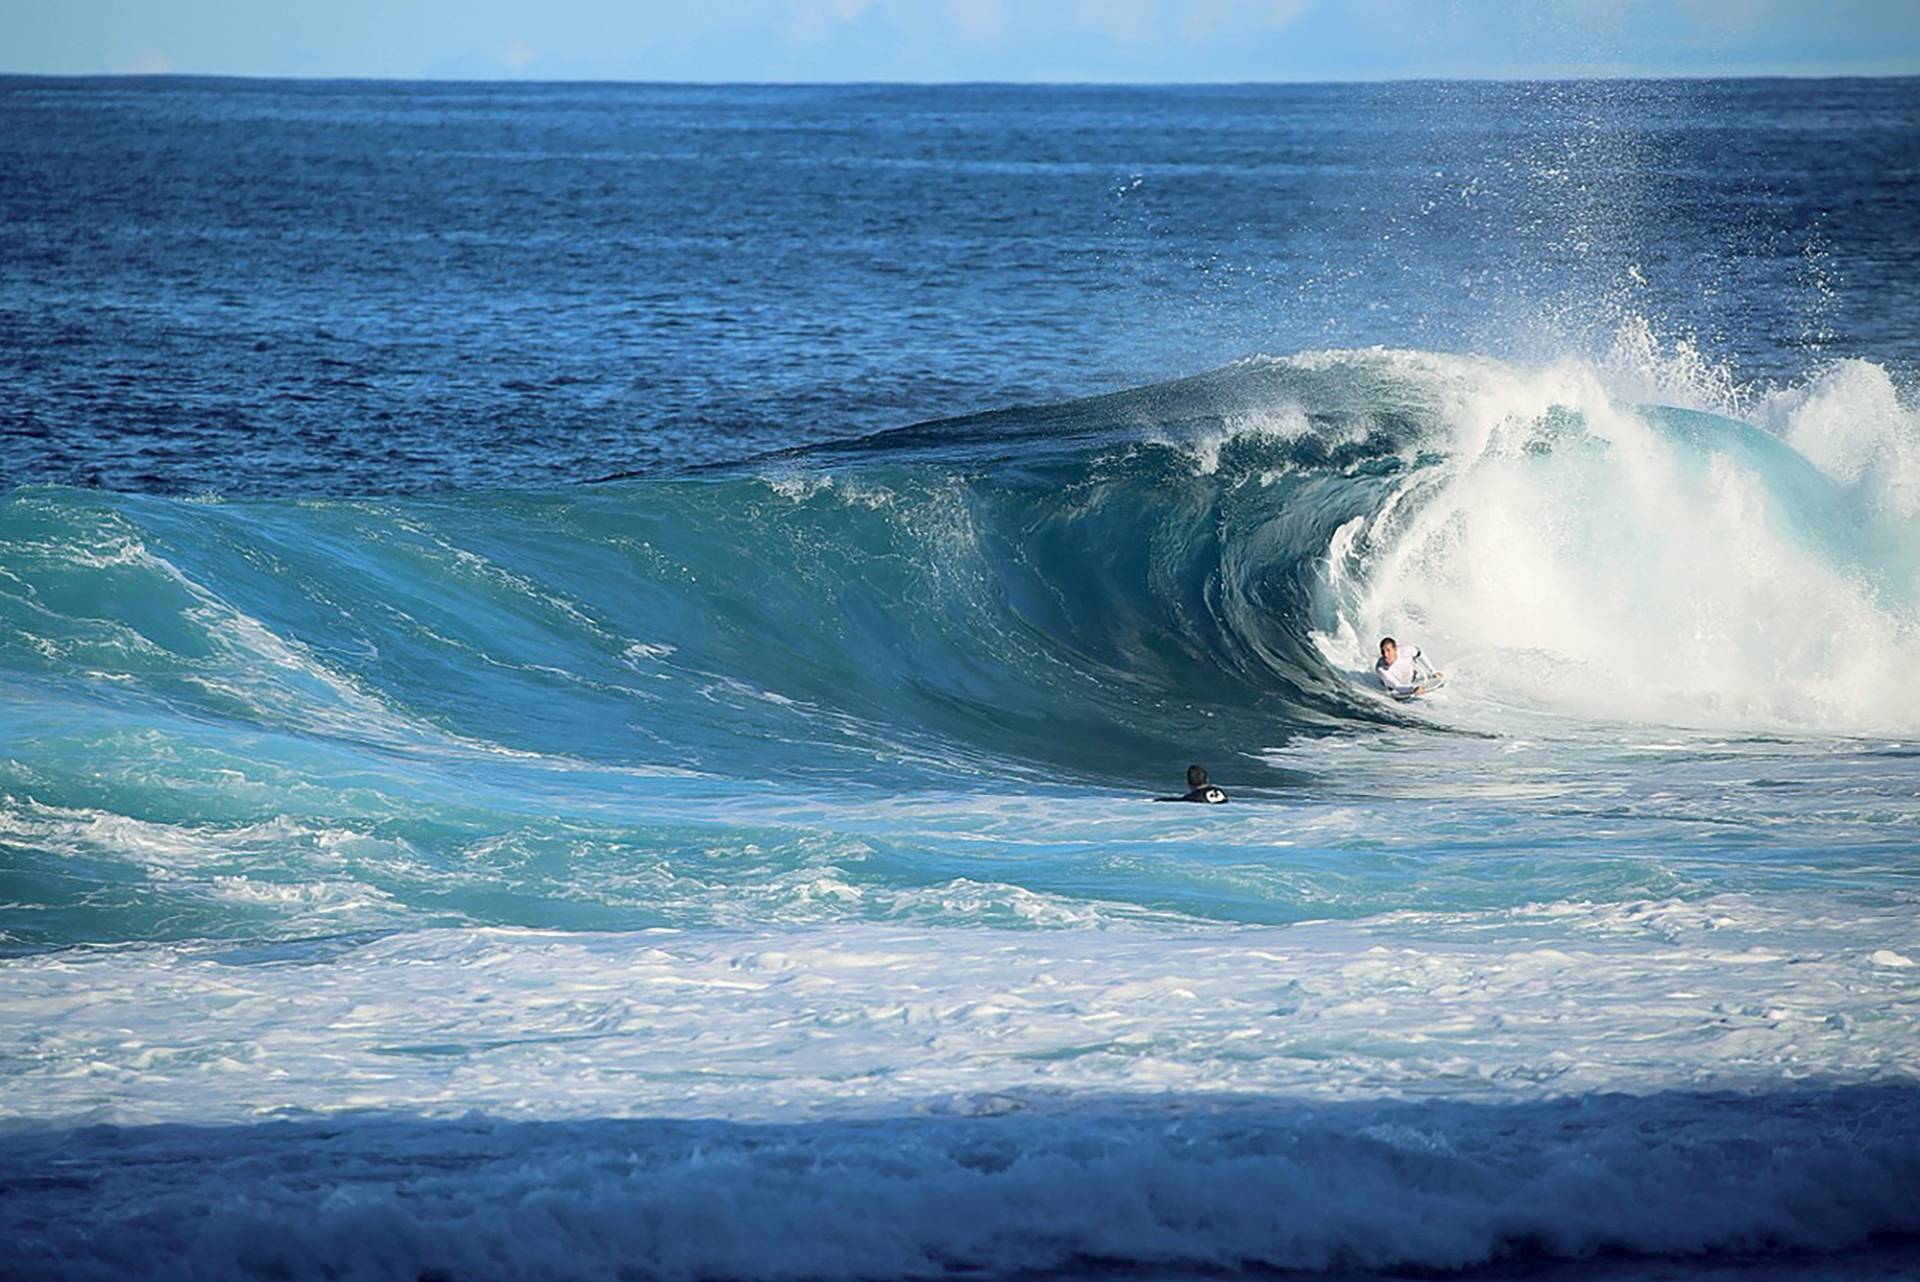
point(752, 872)
point(584, 669)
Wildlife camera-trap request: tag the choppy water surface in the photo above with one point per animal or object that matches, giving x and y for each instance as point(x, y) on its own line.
point(421, 856)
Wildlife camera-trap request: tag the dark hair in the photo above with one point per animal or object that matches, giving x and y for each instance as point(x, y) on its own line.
point(1196, 776)
point(1388, 641)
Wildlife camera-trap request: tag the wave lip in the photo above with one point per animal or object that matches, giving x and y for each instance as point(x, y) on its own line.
point(1190, 1183)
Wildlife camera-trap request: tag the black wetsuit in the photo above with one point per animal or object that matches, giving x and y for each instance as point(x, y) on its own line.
point(1206, 795)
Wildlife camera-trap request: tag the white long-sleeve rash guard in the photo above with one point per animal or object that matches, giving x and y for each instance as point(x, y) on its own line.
point(1406, 674)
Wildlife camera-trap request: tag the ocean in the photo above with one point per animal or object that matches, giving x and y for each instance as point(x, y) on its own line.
point(584, 670)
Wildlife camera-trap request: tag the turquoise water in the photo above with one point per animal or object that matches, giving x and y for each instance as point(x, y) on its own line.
point(469, 812)
point(819, 789)
point(948, 655)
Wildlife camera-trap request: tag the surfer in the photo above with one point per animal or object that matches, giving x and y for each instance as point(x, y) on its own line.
point(1405, 673)
point(1198, 789)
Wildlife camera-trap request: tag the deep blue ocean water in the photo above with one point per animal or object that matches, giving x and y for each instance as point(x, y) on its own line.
point(583, 669)
point(299, 287)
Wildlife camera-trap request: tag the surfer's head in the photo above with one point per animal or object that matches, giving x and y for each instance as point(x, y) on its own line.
point(1196, 776)
point(1389, 650)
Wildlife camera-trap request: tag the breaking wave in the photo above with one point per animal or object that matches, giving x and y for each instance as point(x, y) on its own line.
point(1095, 588)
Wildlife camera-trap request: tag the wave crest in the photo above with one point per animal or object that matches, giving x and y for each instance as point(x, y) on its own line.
point(1109, 587)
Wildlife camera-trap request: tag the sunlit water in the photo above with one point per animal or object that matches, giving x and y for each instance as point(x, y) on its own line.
point(420, 861)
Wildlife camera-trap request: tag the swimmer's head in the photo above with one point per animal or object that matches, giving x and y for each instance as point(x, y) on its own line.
point(1389, 650)
point(1196, 776)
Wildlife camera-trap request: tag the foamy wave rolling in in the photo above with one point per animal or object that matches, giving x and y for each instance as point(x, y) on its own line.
point(1574, 553)
point(767, 852)
point(1351, 1190)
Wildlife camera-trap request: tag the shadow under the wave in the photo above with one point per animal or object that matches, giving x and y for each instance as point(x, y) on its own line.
point(1804, 1180)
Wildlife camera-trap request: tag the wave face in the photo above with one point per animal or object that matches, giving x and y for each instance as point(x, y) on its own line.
point(538, 708)
point(765, 852)
point(1097, 589)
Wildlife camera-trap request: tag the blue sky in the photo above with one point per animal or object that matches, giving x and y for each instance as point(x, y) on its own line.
point(1106, 40)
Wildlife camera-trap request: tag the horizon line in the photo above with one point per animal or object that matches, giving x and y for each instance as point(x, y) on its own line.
point(1034, 83)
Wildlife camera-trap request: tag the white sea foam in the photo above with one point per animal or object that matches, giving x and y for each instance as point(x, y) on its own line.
point(854, 1021)
point(1851, 422)
point(1421, 1090)
point(1572, 555)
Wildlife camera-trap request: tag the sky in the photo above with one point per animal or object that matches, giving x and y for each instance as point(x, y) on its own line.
point(945, 40)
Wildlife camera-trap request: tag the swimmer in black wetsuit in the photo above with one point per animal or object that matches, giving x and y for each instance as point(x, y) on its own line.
point(1198, 789)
